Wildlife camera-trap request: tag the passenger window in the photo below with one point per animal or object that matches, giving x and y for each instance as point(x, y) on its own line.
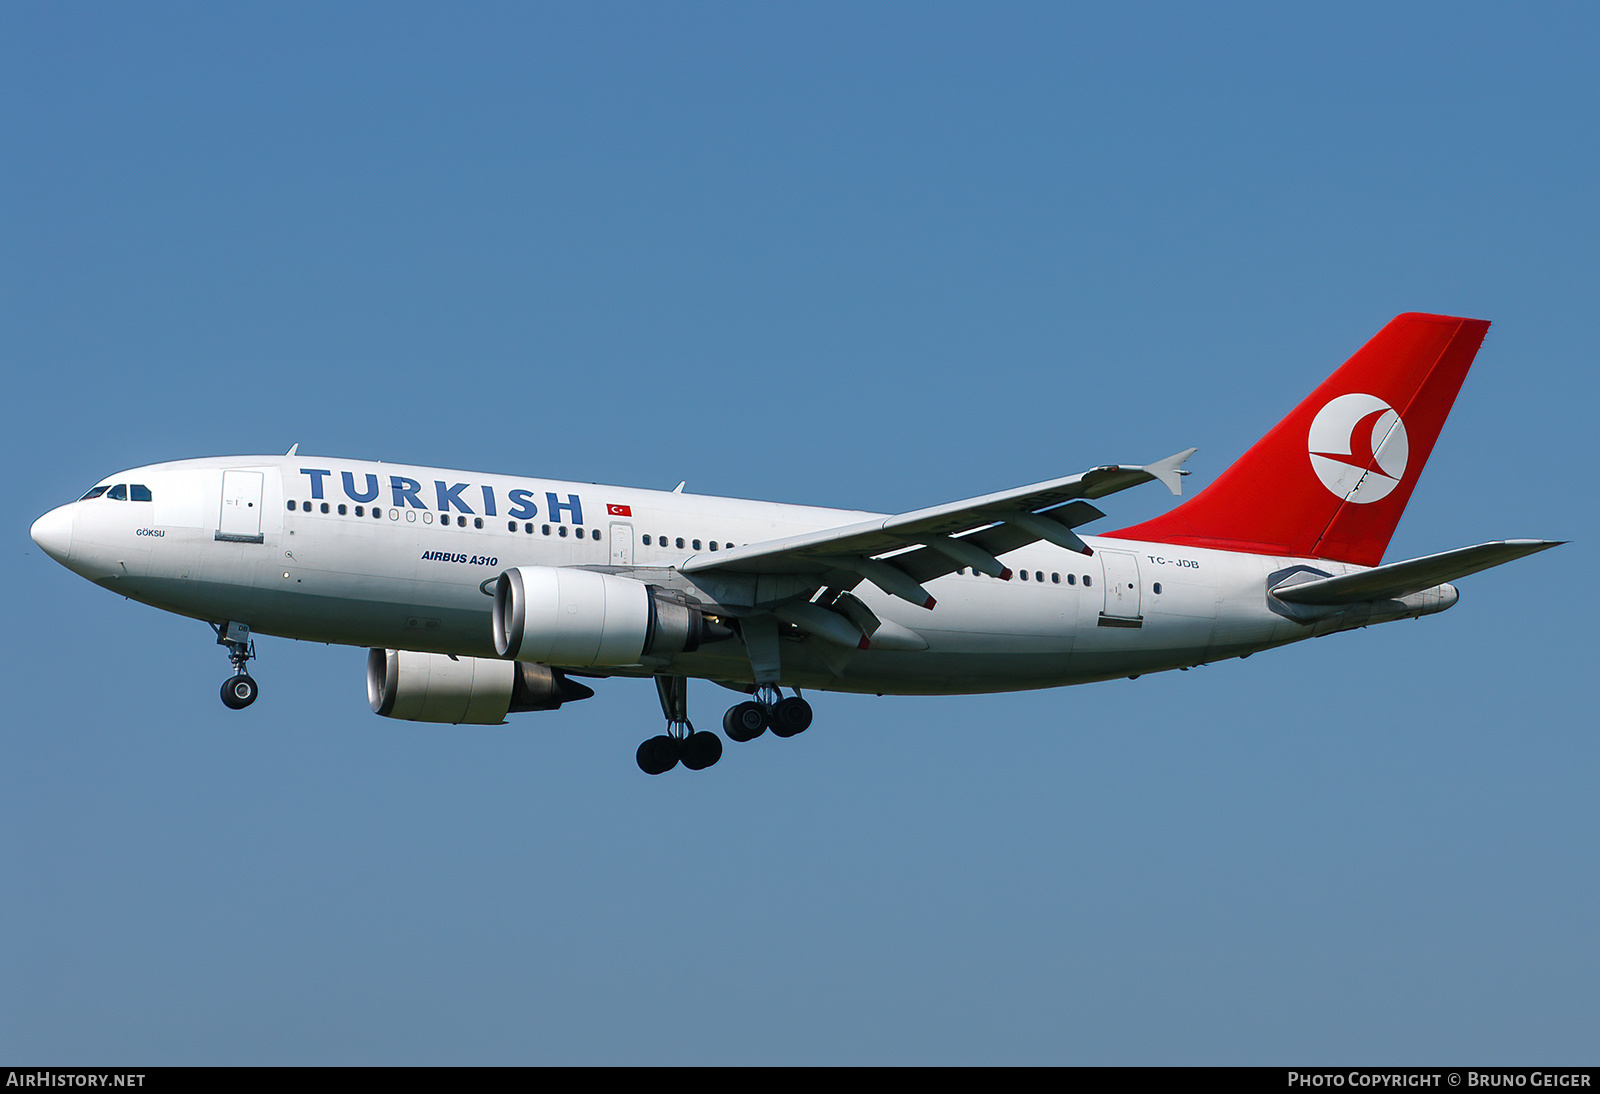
point(562, 531)
point(679, 542)
point(647, 540)
point(1087, 581)
point(324, 507)
point(1038, 575)
point(118, 492)
point(1072, 579)
point(477, 522)
point(1055, 579)
point(342, 509)
point(713, 545)
point(137, 492)
point(1023, 574)
point(594, 534)
point(1156, 588)
point(696, 545)
point(291, 507)
point(544, 529)
point(361, 510)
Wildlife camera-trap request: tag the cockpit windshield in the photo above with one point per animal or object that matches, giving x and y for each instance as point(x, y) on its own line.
point(120, 492)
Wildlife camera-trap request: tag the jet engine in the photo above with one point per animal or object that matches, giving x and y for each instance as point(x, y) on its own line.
point(435, 687)
point(561, 616)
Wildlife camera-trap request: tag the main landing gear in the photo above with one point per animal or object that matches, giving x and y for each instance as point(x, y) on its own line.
point(680, 743)
point(785, 717)
point(743, 722)
point(240, 689)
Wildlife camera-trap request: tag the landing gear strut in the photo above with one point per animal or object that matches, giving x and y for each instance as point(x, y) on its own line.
point(680, 743)
point(240, 689)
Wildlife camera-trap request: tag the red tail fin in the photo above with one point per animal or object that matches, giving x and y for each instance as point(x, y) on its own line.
point(1331, 479)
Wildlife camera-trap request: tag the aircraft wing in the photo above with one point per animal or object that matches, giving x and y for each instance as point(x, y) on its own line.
point(928, 543)
point(1398, 579)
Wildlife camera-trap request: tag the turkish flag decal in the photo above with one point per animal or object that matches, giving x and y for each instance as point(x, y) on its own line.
point(619, 511)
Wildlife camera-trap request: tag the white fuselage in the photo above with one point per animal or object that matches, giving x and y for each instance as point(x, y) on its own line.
point(389, 555)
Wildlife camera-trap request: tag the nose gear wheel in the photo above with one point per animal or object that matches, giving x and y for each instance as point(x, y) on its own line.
point(240, 689)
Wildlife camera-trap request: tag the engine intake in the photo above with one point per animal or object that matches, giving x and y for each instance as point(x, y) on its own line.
point(560, 616)
point(435, 687)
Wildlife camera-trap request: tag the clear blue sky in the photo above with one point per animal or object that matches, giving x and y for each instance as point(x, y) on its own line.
point(869, 255)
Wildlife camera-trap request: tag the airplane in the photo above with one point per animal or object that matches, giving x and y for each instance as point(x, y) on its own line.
point(481, 595)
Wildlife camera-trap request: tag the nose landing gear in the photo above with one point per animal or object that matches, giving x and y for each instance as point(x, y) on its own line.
point(240, 689)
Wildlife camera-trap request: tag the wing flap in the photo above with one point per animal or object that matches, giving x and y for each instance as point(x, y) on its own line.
point(974, 522)
point(927, 563)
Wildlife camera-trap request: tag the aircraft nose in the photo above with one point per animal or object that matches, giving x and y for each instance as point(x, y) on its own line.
point(53, 533)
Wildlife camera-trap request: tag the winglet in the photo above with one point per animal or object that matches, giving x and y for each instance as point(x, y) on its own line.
point(1168, 471)
point(293, 448)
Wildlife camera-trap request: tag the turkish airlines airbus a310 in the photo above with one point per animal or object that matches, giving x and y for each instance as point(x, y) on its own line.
point(482, 595)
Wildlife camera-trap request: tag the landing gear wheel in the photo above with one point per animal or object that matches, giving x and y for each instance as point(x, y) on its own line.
point(744, 722)
point(239, 692)
point(701, 750)
point(791, 716)
point(659, 755)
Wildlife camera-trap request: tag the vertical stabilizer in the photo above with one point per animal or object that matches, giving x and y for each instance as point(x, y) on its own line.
point(1332, 479)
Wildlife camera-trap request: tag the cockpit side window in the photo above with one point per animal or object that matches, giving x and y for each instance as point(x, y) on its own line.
point(95, 493)
point(118, 492)
point(138, 492)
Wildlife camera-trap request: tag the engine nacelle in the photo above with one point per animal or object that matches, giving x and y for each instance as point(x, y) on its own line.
point(435, 687)
point(560, 616)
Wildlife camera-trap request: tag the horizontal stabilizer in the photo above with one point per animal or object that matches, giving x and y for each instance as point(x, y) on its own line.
point(1399, 579)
